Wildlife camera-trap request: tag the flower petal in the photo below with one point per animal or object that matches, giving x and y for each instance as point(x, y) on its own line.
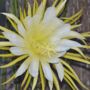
point(17, 51)
point(39, 14)
point(12, 16)
point(52, 25)
point(50, 85)
point(28, 21)
point(23, 67)
point(60, 70)
point(61, 32)
point(21, 29)
point(60, 7)
point(34, 66)
point(14, 38)
point(49, 14)
point(53, 60)
point(47, 71)
point(69, 43)
point(75, 35)
point(60, 54)
point(17, 21)
point(65, 45)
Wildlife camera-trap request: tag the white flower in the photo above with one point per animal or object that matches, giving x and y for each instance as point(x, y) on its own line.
point(44, 39)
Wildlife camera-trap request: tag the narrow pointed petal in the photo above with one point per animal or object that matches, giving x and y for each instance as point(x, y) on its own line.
point(9, 80)
point(21, 29)
point(14, 38)
point(49, 14)
point(61, 49)
point(28, 21)
point(53, 60)
point(24, 66)
point(34, 66)
point(39, 14)
point(60, 54)
point(13, 17)
point(18, 51)
point(13, 62)
point(47, 71)
point(60, 7)
point(74, 34)
point(60, 70)
point(60, 32)
point(50, 85)
point(69, 43)
point(65, 45)
point(34, 82)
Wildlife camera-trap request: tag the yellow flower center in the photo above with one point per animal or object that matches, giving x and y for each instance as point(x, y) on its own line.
point(37, 42)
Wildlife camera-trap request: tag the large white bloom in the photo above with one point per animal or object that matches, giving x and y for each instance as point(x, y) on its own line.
point(44, 40)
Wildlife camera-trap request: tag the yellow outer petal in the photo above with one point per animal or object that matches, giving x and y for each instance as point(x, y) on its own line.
point(25, 78)
point(76, 78)
point(29, 10)
point(27, 83)
point(60, 6)
point(71, 81)
point(42, 78)
point(55, 2)
point(21, 15)
point(6, 55)
point(5, 29)
point(80, 52)
point(66, 79)
point(35, 6)
point(56, 83)
point(75, 17)
point(13, 24)
point(76, 59)
point(34, 82)
point(4, 43)
point(9, 80)
point(4, 48)
point(68, 66)
point(14, 62)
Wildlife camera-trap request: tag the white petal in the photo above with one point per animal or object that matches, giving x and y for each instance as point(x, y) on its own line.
point(17, 21)
point(60, 33)
point(28, 20)
point(34, 66)
point(60, 70)
point(23, 67)
point(39, 14)
point(63, 30)
point(14, 38)
point(61, 48)
point(21, 29)
point(49, 14)
point(60, 54)
point(50, 85)
point(75, 35)
point(64, 45)
point(47, 71)
point(69, 43)
point(17, 51)
point(53, 60)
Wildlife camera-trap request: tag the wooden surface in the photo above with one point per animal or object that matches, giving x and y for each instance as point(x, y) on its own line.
point(73, 6)
point(82, 70)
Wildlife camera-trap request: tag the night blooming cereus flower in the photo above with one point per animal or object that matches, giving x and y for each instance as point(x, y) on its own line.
point(42, 41)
